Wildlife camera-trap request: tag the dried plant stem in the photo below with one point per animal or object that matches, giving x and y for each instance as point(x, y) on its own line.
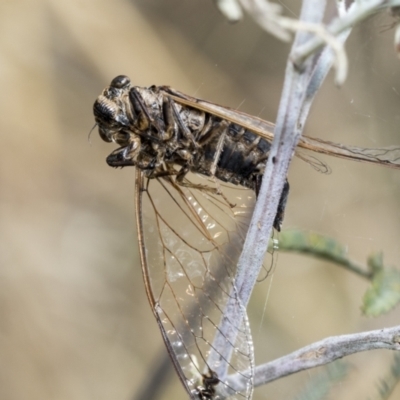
point(323, 352)
point(287, 134)
point(357, 11)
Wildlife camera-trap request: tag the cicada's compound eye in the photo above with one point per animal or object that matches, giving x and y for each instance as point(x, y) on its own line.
point(105, 111)
point(120, 82)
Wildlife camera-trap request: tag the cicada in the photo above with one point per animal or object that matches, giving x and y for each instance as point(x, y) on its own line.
point(199, 167)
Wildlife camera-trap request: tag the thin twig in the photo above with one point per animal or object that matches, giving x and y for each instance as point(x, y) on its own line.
point(321, 353)
point(287, 135)
point(358, 11)
point(269, 16)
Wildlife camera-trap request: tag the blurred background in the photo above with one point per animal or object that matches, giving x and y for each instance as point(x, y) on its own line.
point(74, 318)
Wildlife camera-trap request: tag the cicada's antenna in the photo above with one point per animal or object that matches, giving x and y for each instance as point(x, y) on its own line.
point(94, 126)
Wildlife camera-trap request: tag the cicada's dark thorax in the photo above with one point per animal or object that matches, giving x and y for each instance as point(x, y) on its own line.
point(207, 144)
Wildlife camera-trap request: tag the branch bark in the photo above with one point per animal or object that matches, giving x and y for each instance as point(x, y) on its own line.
point(287, 133)
point(323, 352)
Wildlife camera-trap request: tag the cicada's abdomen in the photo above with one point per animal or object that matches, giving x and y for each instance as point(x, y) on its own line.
point(241, 161)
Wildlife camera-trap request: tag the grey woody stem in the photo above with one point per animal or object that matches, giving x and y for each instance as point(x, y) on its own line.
point(323, 352)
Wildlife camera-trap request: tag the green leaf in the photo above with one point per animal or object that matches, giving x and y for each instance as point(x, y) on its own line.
point(375, 262)
point(384, 293)
point(312, 243)
point(319, 246)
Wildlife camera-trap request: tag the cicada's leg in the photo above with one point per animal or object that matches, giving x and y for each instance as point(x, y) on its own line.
point(280, 213)
point(217, 130)
point(170, 133)
point(210, 380)
point(144, 121)
point(180, 180)
point(176, 117)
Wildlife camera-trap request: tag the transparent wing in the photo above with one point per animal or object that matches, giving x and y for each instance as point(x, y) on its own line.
point(387, 156)
point(190, 241)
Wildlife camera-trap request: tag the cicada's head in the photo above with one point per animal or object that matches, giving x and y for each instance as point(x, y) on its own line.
point(112, 112)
